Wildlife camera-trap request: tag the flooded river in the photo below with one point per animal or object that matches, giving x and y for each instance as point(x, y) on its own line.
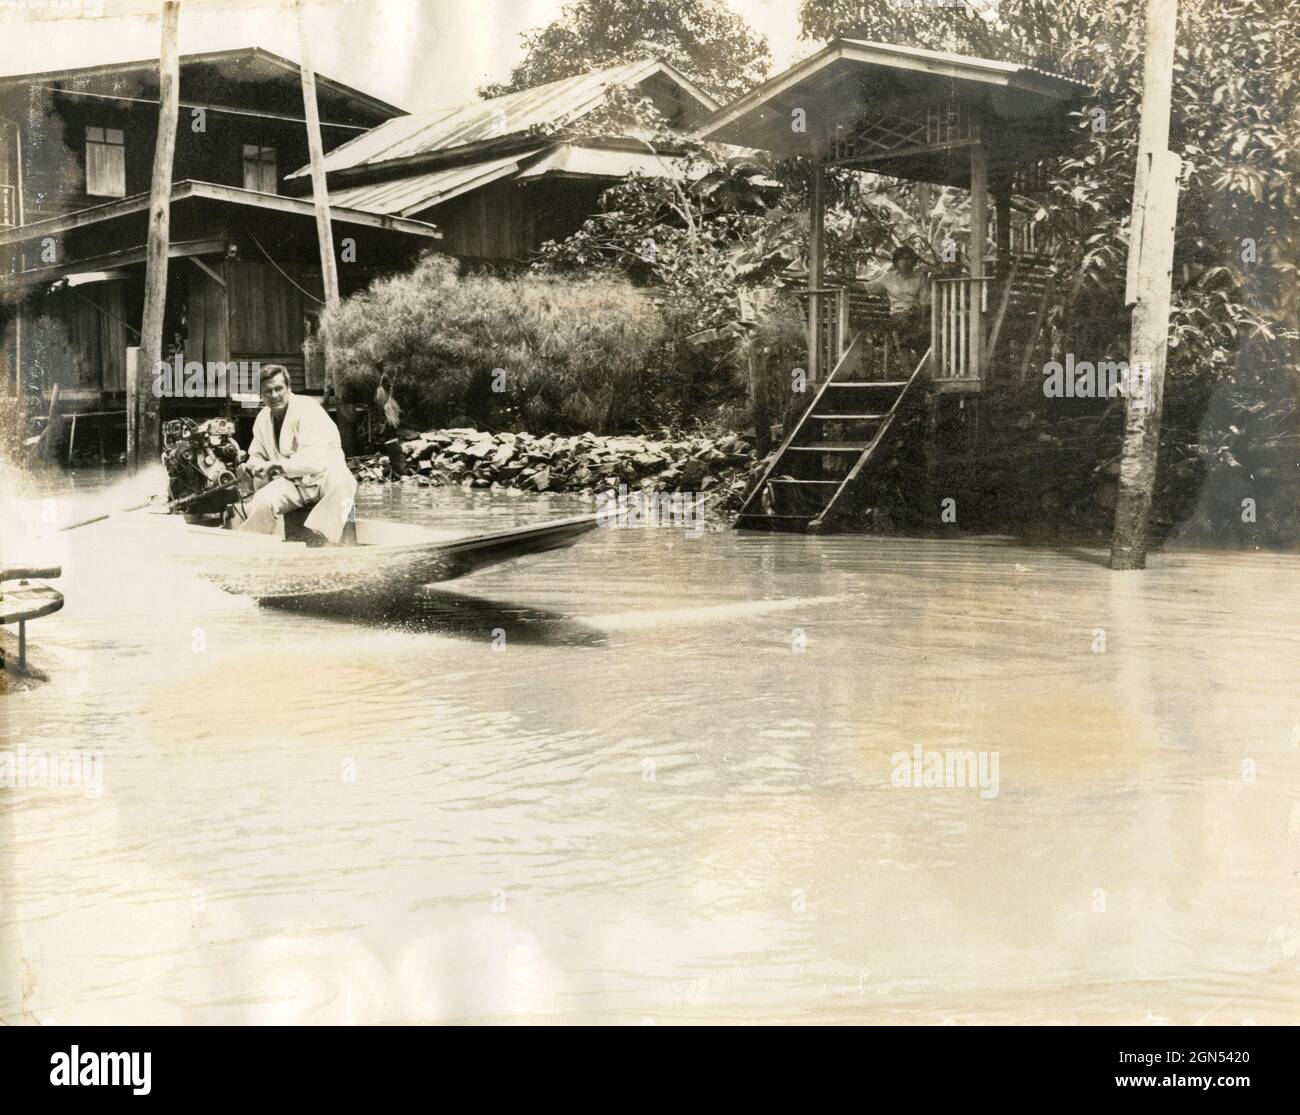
point(656, 778)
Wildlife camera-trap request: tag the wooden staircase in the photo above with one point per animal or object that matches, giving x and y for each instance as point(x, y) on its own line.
point(821, 466)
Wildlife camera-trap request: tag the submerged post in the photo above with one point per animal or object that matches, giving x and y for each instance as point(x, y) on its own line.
point(1151, 256)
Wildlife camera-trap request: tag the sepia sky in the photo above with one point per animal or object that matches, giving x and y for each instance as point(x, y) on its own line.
point(416, 54)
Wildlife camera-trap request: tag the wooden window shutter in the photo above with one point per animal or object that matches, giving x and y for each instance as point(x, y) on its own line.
point(260, 169)
point(105, 162)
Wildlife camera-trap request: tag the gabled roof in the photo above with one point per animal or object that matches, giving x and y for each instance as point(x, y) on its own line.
point(581, 160)
point(406, 195)
point(968, 65)
point(833, 79)
point(463, 128)
point(412, 193)
point(255, 61)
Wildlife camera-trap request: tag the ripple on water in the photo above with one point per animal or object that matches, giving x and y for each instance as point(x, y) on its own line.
point(669, 795)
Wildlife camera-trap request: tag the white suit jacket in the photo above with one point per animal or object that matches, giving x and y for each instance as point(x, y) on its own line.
point(308, 443)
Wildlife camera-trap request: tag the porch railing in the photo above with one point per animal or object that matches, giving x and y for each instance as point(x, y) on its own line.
point(828, 318)
point(8, 205)
point(957, 332)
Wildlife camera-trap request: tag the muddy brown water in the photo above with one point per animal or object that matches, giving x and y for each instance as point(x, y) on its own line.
point(656, 778)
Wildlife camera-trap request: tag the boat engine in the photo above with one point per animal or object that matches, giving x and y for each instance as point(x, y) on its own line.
point(202, 460)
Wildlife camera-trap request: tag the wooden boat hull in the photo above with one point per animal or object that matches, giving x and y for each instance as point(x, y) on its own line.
point(388, 557)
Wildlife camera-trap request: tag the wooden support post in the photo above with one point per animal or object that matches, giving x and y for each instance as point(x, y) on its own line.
point(53, 432)
point(816, 266)
point(18, 352)
point(842, 337)
point(147, 441)
point(758, 395)
point(132, 403)
point(319, 192)
point(1151, 254)
point(979, 230)
point(345, 417)
point(1002, 208)
point(20, 256)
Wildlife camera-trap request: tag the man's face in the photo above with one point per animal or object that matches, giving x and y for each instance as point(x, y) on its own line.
point(276, 392)
point(904, 265)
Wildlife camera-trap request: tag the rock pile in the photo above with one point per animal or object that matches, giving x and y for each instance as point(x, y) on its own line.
point(585, 463)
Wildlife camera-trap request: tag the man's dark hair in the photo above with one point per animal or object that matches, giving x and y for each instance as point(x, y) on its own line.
point(272, 370)
point(903, 251)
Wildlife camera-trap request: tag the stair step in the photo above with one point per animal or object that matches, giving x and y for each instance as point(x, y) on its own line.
point(775, 522)
point(849, 417)
point(830, 447)
point(868, 383)
point(790, 480)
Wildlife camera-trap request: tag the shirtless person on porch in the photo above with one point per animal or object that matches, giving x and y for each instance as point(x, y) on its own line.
point(296, 460)
point(907, 286)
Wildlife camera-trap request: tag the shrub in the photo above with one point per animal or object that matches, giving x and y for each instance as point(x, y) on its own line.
point(537, 352)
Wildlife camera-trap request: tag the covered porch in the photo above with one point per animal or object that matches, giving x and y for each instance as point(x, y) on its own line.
point(972, 124)
point(975, 124)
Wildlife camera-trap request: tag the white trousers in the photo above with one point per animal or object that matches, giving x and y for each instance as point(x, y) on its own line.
point(330, 495)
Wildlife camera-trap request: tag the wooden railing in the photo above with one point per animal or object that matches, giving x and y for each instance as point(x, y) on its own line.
point(8, 205)
point(829, 334)
point(957, 332)
point(965, 321)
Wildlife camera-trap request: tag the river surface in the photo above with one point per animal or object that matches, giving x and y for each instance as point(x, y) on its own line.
point(654, 778)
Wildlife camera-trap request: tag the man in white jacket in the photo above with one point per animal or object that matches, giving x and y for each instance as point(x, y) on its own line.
point(296, 460)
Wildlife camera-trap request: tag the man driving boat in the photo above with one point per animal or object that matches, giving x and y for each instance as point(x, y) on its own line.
point(296, 460)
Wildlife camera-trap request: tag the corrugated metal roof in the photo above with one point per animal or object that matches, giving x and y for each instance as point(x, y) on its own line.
point(258, 62)
point(556, 103)
point(606, 162)
point(967, 61)
point(761, 116)
point(403, 196)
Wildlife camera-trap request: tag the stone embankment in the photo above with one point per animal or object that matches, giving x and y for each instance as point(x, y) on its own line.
point(585, 463)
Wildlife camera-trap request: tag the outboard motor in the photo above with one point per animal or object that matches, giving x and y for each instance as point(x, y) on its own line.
point(202, 460)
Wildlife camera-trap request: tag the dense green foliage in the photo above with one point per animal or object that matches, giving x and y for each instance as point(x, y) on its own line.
point(531, 352)
point(704, 39)
point(700, 250)
point(1230, 428)
point(706, 254)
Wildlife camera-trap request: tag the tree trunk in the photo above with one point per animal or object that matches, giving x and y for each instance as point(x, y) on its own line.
point(1151, 252)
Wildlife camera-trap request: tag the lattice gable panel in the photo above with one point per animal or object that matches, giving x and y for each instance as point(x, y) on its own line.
point(932, 124)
